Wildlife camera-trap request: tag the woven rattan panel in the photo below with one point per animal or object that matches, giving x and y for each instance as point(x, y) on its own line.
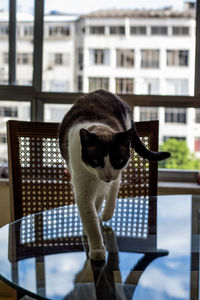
point(61, 228)
point(44, 185)
point(42, 175)
point(135, 178)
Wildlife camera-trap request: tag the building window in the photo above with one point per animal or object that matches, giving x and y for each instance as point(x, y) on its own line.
point(175, 115)
point(5, 58)
point(117, 30)
point(150, 59)
point(8, 112)
point(24, 58)
point(96, 83)
point(59, 59)
point(177, 57)
point(80, 58)
point(180, 30)
point(3, 139)
point(125, 58)
point(28, 31)
point(124, 85)
point(80, 84)
point(138, 30)
point(3, 31)
point(99, 56)
point(197, 115)
point(178, 138)
point(177, 87)
point(58, 31)
point(159, 30)
point(97, 30)
point(148, 113)
point(59, 86)
point(197, 144)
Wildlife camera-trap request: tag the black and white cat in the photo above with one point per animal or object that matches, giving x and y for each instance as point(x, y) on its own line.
point(95, 137)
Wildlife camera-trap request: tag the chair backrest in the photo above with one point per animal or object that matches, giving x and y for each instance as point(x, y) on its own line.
point(36, 168)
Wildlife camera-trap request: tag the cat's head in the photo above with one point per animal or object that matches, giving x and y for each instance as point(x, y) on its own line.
point(105, 155)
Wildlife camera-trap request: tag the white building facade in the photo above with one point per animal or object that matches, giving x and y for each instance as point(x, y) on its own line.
point(132, 52)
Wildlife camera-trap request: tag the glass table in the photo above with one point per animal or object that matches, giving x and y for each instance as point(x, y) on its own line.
point(152, 252)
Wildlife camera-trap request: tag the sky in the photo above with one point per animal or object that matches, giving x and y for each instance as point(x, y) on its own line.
point(80, 6)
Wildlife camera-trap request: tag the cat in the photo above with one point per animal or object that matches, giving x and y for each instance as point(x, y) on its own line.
point(95, 137)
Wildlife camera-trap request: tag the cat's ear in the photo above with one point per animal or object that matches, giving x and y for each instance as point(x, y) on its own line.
point(87, 138)
point(124, 138)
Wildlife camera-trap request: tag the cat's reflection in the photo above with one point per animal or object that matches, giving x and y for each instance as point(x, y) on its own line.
point(103, 280)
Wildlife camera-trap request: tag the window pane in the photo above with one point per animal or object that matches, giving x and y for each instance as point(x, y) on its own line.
point(15, 111)
point(55, 112)
point(4, 42)
point(180, 124)
point(145, 39)
point(24, 42)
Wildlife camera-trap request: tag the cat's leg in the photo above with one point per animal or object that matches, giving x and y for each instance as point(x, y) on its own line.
point(111, 200)
point(85, 199)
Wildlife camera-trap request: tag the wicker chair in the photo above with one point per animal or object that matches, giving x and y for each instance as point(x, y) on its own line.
point(38, 183)
point(36, 169)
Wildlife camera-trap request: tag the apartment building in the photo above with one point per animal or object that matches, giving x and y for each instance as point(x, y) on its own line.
point(124, 51)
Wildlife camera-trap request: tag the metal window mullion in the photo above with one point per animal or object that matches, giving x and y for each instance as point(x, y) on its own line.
point(38, 44)
point(197, 56)
point(12, 42)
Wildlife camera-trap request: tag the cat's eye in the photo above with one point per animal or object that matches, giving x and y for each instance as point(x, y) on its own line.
point(119, 161)
point(95, 162)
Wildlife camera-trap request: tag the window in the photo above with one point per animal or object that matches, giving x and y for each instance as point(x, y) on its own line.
point(125, 58)
point(3, 31)
point(175, 115)
point(99, 56)
point(80, 84)
point(98, 83)
point(58, 31)
point(180, 30)
point(177, 86)
point(150, 59)
point(159, 30)
point(138, 30)
point(117, 30)
point(59, 59)
point(148, 113)
point(8, 111)
point(59, 85)
point(28, 31)
point(177, 57)
point(97, 30)
point(178, 138)
point(197, 144)
point(149, 86)
point(197, 115)
point(124, 85)
point(5, 58)
point(24, 58)
point(80, 58)
point(3, 139)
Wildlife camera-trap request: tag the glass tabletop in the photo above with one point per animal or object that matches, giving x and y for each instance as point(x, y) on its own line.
point(152, 248)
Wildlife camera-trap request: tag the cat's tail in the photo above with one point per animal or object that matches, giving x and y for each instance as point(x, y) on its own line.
point(140, 148)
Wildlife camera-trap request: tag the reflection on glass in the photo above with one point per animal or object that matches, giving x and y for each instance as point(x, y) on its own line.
point(162, 273)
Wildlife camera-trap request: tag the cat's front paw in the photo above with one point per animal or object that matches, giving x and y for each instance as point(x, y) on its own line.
point(98, 254)
point(106, 216)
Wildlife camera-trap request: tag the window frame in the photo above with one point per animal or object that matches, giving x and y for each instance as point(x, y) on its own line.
point(38, 98)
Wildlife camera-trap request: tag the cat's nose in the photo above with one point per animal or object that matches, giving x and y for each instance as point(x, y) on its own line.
point(108, 177)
